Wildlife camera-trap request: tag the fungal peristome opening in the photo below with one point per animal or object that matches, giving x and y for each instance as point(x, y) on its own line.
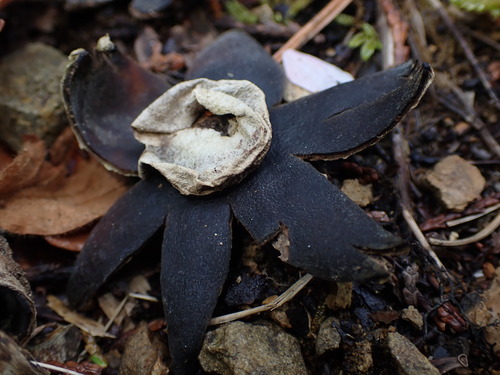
point(205, 135)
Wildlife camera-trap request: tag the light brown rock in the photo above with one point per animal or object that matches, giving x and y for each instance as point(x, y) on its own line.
point(340, 296)
point(486, 312)
point(328, 337)
point(358, 357)
point(413, 316)
point(242, 349)
point(144, 354)
point(407, 358)
point(30, 101)
point(456, 182)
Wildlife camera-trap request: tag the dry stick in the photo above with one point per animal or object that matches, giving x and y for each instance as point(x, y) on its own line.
point(467, 50)
point(144, 297)
point(401, 152)
point(313, 27)
point(469, 114)
point(417, 42)
point(466, 219)
point(117, 312)
point(483, 233)
point(55, 368)
point(483, 38)
point(280, 300)
point(466, 111)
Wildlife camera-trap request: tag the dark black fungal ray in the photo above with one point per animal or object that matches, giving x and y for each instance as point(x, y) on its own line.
point(342, 120)
point(128, 224)
point(318, 228)
point(195, 262)
point(103, 93)
point(236, 55)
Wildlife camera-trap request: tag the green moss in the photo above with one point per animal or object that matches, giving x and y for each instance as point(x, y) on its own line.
point(479, 6)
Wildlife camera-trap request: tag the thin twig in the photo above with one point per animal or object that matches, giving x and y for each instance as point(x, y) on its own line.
point(469, 114)
point(277, 302)
point(467, 51)
point(144, 297)
point(313, 27)
point(483, 233)
point(466, 219)
point(401, 152)
point(464, 109)
point(118, 310)
point(483, 38)
point(55, 368)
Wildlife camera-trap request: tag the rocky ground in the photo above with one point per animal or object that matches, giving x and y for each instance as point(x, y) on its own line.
point(434, 181)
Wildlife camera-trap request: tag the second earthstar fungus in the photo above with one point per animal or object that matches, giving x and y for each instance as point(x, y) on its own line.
point(275, 194)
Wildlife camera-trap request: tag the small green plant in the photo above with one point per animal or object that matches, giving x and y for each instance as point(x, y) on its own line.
point(368, 41)
point(294, 7)
point(240, 12)
point(367, 38)
point(479, 6)
point(243, 14)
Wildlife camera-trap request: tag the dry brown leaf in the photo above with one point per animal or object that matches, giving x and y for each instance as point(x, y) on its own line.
point(73, 241)
point(90, 326)
point(42, 197)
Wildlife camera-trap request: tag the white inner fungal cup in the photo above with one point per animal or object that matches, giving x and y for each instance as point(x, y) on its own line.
point(205, 135)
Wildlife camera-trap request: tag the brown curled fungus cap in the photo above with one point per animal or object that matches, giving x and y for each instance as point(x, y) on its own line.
point(205, 135)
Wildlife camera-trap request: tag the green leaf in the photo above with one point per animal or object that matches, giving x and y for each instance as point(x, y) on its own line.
point(357, 40)
point(369, 30)
point(345, 19)
point(296, 6)
point(368, 49)
point(99, 361)
point(240, 12)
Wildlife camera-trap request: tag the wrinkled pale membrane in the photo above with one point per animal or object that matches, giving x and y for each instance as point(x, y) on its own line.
point(196, 160)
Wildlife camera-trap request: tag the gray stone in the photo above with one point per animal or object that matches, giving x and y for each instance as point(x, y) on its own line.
point(328, 337)
point(407, 358)
point(30, 101)
point(241, 348)
point(413, 316)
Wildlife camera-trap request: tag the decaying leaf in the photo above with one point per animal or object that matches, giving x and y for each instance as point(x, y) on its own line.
point(18, 314)
point(43, 198)
point(15, 360)
point(90, 326)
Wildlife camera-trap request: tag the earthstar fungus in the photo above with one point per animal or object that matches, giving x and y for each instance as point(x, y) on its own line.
point(277, 195)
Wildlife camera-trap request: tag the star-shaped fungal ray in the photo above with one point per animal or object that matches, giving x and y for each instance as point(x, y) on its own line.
point(347, 118)
point(125, 228)
point(195, 261)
